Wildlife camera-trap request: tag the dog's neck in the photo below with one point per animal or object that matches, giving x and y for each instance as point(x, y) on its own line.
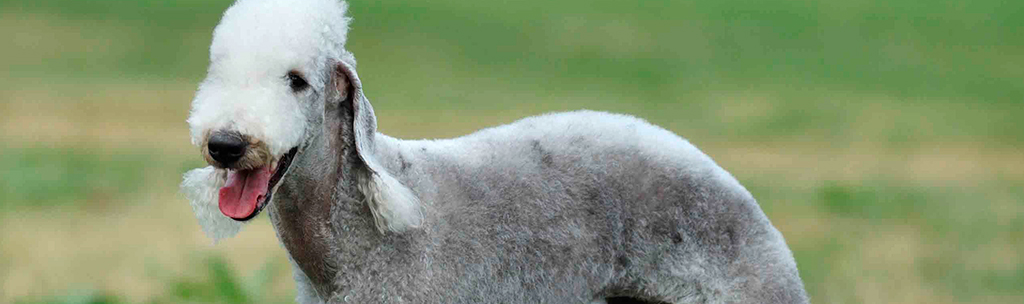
point(320, 216)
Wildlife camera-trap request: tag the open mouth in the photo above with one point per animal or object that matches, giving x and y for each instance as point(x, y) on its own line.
point(247, 192)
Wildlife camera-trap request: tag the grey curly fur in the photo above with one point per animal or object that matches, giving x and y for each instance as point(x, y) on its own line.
point(544, 210)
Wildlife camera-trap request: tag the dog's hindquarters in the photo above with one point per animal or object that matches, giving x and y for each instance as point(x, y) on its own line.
point(684, 230)
point(706, 241)
point(717, 260)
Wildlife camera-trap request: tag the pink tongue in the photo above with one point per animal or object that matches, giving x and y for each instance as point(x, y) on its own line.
point(239, 196)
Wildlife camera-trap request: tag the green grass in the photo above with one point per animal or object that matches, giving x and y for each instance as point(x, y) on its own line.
point(225, 285)
point(47, 176)
point(959, 236)
point(79, 297)
point(913, 49)
point(878, 202)
point(220, 283)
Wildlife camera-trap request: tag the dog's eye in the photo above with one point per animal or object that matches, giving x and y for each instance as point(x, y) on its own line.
point(296, 82)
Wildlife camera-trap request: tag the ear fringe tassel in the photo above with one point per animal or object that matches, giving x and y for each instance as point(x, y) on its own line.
point(395, 208)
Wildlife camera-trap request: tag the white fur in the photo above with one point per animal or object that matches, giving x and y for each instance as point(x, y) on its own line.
point(256, 44)
point(201, 187)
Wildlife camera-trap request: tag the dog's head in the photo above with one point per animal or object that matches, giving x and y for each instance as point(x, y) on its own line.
point(276, 66)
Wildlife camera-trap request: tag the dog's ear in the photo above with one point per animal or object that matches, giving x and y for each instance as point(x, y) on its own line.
point(394, 205)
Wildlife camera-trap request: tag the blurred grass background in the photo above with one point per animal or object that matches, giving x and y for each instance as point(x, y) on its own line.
point(885, 139)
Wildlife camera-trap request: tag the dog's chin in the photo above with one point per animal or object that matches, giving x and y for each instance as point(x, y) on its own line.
point(277, 171)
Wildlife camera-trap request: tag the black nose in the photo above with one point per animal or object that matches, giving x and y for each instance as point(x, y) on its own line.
point(226, 148)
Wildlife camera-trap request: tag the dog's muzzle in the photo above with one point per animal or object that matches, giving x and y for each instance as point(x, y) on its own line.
point(252, 172)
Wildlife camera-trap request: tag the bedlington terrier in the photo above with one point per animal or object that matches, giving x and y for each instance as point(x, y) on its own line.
point(578, 207)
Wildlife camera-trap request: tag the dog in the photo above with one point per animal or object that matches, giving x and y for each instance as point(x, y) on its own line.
point(577, 207)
